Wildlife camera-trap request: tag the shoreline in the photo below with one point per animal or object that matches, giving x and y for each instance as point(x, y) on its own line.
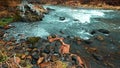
point(89, 6)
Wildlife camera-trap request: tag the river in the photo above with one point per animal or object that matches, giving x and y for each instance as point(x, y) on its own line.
point(78, 22)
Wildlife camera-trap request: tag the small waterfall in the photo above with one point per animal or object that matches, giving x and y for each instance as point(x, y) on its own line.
point(30, 11)
point(37, 9)
point(22, 7)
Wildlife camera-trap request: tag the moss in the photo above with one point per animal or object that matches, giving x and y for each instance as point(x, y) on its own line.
point(17, 17)
point(61, 64)
point(33, 40)
point(5, 21)
point(64, 65)
point(3, 57)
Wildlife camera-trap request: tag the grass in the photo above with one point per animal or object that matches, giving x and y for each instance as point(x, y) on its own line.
point(5, 21)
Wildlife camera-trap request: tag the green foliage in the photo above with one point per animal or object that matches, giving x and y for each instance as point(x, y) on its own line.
point(5, 21)
point(64, 65)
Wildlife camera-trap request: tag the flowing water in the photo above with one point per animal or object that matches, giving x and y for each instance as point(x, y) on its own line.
point(78, 22)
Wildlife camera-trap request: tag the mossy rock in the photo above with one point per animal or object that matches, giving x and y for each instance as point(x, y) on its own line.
point(33, 40)
point(61, 64)
point(6, 21)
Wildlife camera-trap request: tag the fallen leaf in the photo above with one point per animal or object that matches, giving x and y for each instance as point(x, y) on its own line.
point(40, 60)
point(45, 64)
point(23, 56)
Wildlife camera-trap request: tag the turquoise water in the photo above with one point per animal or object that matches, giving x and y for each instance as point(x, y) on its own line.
point(78, 22)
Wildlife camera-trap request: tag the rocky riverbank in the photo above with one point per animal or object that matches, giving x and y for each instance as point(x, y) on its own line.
point(102, 50)
point(97, 4)
point(24, 12)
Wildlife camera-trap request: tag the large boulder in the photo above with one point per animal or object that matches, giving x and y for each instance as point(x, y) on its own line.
point(31, 12)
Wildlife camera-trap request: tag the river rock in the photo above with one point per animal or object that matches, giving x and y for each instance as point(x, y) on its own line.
point(54, 58)
point(1, 33)
point(62, 18)
point(74, 58)
point(31, 12)
point(50, 9)
point(97, 57)
point(104, 31)
point(35, 55)
point(99, 37)
point(47, 49)
point(35, 66)
point(93, 32)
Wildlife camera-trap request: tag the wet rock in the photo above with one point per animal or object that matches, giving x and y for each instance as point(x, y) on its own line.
point(26, 53)
point(1, 33)
point(91, 49)
point(61, 32)
point(54, 58)
point(35, 55)
point(50, 9)
point(67, 57)
point(77, 39)
point(104, 31)
point(75, 19)
point(31, 13)
point(61, 18)
point(8, 26)
point(74, 58)
point(22, 40)
point(12, 39)
point(35, 66)
point(93, 32)
point(47, 49)
point(101, 38)
point(31, 46)
point(34, 61)
point(87, 41)
point(4, 66)
point(56, 48)
point(97, 57)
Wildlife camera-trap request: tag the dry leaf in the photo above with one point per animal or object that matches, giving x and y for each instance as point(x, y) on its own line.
point(40, 60)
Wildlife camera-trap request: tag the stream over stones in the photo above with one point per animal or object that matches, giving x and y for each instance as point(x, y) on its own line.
point(68, 21)
point(92, 34)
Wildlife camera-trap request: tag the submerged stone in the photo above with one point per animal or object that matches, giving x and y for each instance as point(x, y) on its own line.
point(62, 18)
point(104, 31)
point(50, 9)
